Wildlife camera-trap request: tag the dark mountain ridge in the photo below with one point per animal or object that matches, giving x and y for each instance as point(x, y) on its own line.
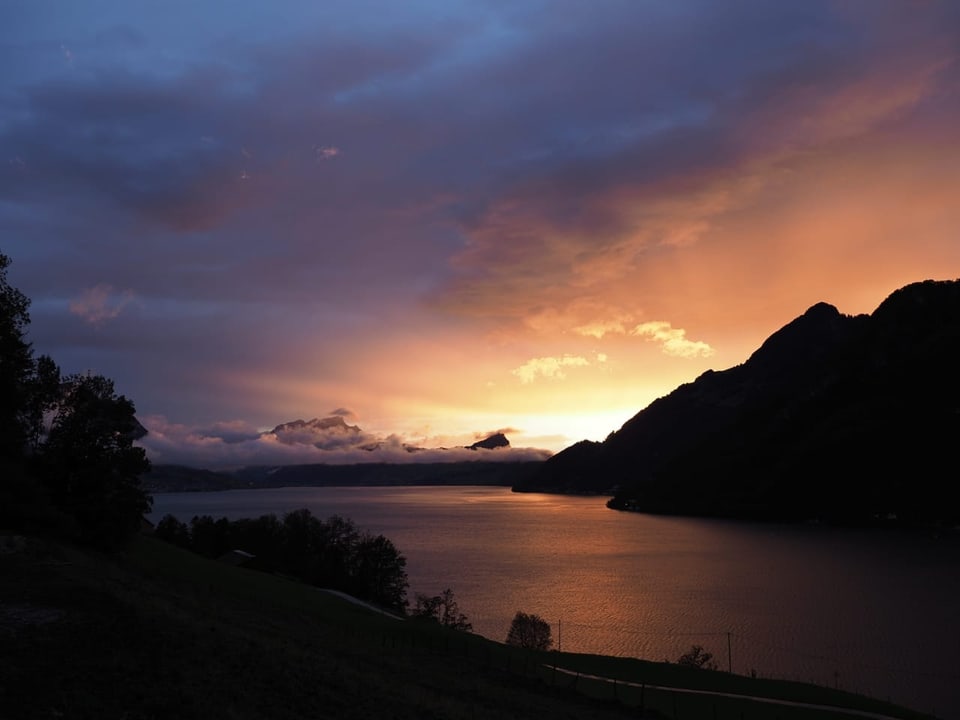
point(179, 478)
point(837, 418)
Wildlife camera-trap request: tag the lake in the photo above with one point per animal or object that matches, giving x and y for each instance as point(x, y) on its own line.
point(871, 611)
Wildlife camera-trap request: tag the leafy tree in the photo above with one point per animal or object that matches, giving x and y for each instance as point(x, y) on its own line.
point(336, 548)
point(173, 531)
point(90, 464)
point(331, 553)
point(697, 657)
point(209, 537)
point(44, 388)
point(24, 500)
point(380, 573)
point(529, 631)
point(301, 542)
point(80, 474)
point(28, 388)
point(443, 608)
point(263, 537)
point(16, 368)
point(319, 552)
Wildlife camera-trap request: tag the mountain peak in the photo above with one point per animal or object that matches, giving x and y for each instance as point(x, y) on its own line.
point(494, 441)
point(324, 433)
point(335, 423)
point(804, 340)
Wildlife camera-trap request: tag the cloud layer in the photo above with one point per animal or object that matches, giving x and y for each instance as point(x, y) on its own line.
point(237, 445)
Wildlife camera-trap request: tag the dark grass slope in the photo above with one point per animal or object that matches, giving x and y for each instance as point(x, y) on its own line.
point(160, 633)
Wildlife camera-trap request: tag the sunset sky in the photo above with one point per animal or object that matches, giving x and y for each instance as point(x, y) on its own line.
point(444, 219)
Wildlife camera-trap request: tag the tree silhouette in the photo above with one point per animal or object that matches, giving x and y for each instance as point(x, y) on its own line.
point(697, 657)
point(329, 553)
point(443, 608)
point(171, 530)
point(90, 464)
point(28, 388)
point(529, 631)
point(16, 367)
point(380, 572)
point(80, 474)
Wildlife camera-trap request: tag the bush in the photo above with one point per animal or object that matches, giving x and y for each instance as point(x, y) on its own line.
point(697, 657)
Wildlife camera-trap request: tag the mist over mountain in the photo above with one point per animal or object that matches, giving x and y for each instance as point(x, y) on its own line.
point(330, 439)
point(328, 451)
point(835, 417)
point(328, 432)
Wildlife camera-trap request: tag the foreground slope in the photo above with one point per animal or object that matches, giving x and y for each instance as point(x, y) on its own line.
point(160, 633)
point(835, 417)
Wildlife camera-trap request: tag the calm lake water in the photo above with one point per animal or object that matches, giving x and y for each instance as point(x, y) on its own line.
point(868, 611)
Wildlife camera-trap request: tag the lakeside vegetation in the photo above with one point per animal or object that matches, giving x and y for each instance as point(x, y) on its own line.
point(332, 553)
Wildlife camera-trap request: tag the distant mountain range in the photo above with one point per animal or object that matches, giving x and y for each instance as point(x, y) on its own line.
point(334, 432)
point(179, 478)
point(837, 418)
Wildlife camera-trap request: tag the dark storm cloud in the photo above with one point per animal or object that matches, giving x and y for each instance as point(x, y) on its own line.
point(165, 147)
point(561, 114)
point(130, 144)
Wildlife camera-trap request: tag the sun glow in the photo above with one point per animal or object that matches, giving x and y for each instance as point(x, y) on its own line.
point(558, 431)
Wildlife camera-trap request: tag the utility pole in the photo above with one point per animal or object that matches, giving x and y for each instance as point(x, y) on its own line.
point(559, 635)
point(729, 655)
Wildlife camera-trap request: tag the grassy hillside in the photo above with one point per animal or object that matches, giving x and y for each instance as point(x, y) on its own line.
point(158, 632)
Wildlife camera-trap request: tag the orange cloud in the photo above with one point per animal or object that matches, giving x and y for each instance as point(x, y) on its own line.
point(550, 368)
point(673, 340)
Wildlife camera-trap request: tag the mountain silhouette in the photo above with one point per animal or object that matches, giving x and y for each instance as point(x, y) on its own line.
point(496, 440)
point(836, 418)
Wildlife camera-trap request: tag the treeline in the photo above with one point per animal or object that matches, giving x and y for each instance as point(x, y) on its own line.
point(68, 464)
point(330, 553)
